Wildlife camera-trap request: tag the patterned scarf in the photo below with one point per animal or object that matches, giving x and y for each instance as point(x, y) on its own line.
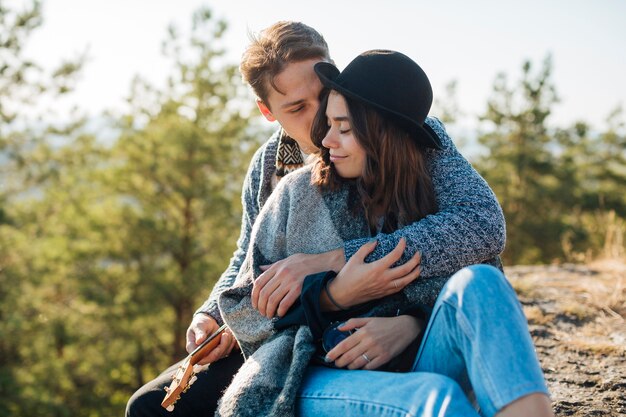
point(288, 155)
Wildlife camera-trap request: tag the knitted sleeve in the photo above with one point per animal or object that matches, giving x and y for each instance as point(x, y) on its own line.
point(249, 199)
point(468, 227)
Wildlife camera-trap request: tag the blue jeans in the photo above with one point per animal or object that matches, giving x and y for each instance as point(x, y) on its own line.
point(476, 341)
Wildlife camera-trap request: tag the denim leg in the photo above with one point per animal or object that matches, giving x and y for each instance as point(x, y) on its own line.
point(327, 392)
point(478, 336)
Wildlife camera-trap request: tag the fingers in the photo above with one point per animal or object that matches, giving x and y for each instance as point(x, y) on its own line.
point(403, 275)
point(364, 349)
point(275, 298)
point(374, 363)
point(395, 255)
point(277, 290)
point(402, 282)
point(268, 292)
point(201, 326)
point(360, 362)
point(418, 256)
point(408, 266)
point(354, 354)
point(260, 283)
point(287, 302)
point(342, 348)
point(268, 295)
point(195, 336)
point(365, 250)
point(220, 351)
point(354, 323)
point(190, 346)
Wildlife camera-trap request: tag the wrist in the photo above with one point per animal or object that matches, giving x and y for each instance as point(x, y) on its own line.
point(338, 295)
point(337, 259)
point(413, 324)
point(202, 314)
point(335, 305)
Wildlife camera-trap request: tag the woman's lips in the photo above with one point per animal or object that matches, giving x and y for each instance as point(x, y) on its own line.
point(336, 158)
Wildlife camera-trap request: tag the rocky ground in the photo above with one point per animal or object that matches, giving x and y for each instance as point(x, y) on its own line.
point(577, 317)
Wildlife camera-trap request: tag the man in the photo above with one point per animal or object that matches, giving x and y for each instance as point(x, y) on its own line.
point(278, 65)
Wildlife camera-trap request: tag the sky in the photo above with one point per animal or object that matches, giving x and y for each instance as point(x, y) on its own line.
point(467, 41)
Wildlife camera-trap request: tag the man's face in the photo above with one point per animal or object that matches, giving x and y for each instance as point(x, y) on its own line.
point(296, 106)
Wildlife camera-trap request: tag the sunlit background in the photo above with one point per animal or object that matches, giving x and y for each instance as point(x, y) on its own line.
point(120, 179)
point(467, 41)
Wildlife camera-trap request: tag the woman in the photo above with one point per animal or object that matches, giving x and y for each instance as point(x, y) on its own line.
point(371, 177)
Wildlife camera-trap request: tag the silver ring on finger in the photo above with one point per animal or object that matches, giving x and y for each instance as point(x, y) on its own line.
point(395, 284)
point(366, 358)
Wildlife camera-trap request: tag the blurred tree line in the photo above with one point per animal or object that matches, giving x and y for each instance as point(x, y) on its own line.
point(108, 246)
point(562, 189)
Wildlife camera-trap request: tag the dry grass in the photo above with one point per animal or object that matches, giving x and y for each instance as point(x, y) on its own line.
point(524, 288)
point(574, 310)
point(577, 317)
point(584, 306)
point(594, 347)
point(535, 315)
point(600, 286)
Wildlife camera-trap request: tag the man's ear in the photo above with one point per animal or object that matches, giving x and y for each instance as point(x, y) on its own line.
point(265, 111)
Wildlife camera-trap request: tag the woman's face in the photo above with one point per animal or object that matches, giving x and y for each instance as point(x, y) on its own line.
point(346, 154)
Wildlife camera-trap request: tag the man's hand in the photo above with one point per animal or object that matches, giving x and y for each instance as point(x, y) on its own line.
point(280, 285)
point(201, 327)
point(359, 282)
point(376, 342)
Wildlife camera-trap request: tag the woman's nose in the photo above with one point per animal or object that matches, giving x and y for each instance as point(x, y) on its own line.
point(329, 140)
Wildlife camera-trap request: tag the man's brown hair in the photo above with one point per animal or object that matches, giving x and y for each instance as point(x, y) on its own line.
point(274, 48)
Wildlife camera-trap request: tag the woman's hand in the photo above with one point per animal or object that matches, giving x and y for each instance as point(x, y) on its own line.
point(359, 282)
point(280, 285)
point(376, 341)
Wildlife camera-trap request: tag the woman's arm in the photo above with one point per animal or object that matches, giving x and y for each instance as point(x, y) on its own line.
point(468, 227)
point(280, 285)
point(359, 282)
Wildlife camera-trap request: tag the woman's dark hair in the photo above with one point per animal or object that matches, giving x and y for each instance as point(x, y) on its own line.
point(395, 182)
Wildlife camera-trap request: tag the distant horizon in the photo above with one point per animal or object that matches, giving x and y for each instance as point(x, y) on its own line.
point(452, 41)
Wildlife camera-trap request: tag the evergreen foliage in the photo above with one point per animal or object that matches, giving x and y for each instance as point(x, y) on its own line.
point(107, 245)
point(561, 189)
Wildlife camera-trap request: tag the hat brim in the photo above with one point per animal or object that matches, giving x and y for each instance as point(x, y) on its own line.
point(423, 134)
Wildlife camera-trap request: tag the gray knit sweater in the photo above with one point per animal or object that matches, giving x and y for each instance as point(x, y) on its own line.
point(467, 229)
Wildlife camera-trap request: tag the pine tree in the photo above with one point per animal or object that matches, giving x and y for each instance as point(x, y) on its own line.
point(26, 332)
point(178, 167)
point(106, 248)
point(520, 163)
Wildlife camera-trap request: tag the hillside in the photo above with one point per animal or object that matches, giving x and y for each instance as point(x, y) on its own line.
point(577, 317)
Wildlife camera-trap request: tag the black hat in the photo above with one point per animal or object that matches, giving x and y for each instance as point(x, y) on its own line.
point(390, 82)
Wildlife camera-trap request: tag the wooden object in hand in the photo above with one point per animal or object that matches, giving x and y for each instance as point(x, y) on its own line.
point(186, 373)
